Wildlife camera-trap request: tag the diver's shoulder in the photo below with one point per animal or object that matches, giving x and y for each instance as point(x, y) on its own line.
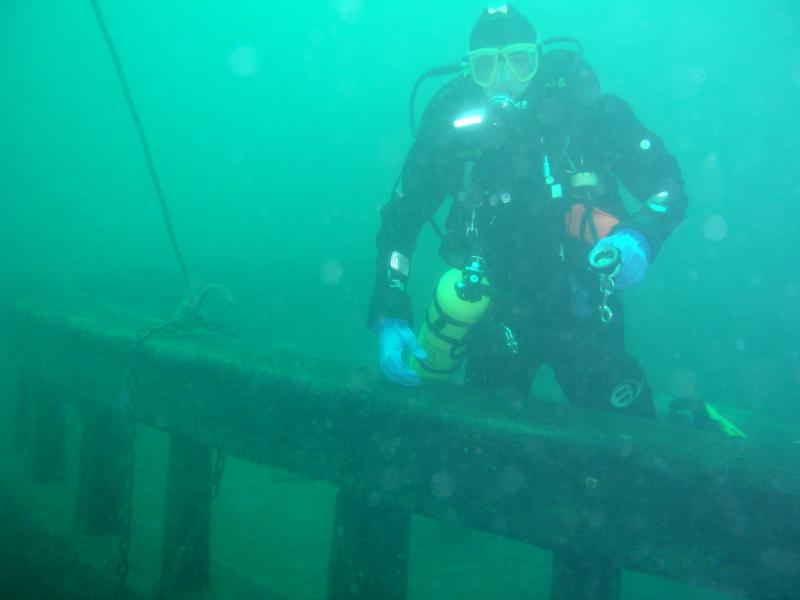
point(453, 98)
point(611, 107)
point(566, 71)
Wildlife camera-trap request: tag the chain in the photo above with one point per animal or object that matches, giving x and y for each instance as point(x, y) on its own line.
point(606, 289)
point(190, 316)
point(606, 263)
point(130, 383)
point(216, 473)
point(126, 510)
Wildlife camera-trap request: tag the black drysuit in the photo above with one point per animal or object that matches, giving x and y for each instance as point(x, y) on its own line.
point(515, 183)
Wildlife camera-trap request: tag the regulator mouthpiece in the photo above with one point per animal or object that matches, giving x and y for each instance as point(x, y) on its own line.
point(502, 109)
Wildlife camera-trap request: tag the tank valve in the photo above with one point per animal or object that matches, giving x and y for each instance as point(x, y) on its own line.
point(470, 287)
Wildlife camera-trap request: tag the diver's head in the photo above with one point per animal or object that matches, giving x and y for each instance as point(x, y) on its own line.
point(503, 54)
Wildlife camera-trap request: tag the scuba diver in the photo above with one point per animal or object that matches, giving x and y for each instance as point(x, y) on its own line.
point(538, 238)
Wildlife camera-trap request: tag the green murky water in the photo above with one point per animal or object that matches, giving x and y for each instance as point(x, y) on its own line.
point(278, 130)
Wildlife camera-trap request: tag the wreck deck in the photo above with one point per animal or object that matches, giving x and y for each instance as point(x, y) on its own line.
point(604, 492)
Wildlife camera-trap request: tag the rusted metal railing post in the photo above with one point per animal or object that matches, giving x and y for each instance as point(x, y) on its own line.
point(187, 519)
point(579, 576)
point(369, 550)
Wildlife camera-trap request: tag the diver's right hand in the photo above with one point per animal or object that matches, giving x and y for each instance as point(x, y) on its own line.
point(395, 336)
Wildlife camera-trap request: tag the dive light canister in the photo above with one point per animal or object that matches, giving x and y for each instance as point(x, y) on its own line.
point(448, 321)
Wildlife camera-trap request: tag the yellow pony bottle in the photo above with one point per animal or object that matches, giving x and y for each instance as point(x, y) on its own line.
point(460, 300)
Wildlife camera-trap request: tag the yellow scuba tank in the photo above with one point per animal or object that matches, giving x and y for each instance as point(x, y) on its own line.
point(459, 302)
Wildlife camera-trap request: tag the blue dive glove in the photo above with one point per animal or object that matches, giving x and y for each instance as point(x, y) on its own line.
point(395, 336)
point(634, 254)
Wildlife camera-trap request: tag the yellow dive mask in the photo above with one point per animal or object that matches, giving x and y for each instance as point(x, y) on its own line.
point(522, 61)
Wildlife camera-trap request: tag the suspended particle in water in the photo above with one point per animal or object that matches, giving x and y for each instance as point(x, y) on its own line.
point(243, 61)
point(350, 11)
point(390, 478)
point(357, 382)
point(391, 151)
point(442, 484)
point(596, 519)
point(374, 499)
point(511, 479)
point(626, 446)
point(332, 272)
point(682, 382)
point(698, 75)
point(715, 228)
point(123, 398)
point(236, 151)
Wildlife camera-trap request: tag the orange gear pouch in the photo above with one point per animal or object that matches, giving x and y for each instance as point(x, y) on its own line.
point(603, 223)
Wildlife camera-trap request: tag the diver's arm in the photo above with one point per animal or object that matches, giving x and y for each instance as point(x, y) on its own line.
point(418, 194)
point(638, 158)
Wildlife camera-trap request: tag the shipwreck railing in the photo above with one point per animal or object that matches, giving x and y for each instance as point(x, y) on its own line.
point(604, 492)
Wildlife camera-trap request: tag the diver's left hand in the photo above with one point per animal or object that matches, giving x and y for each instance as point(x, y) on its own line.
point(634, 253)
